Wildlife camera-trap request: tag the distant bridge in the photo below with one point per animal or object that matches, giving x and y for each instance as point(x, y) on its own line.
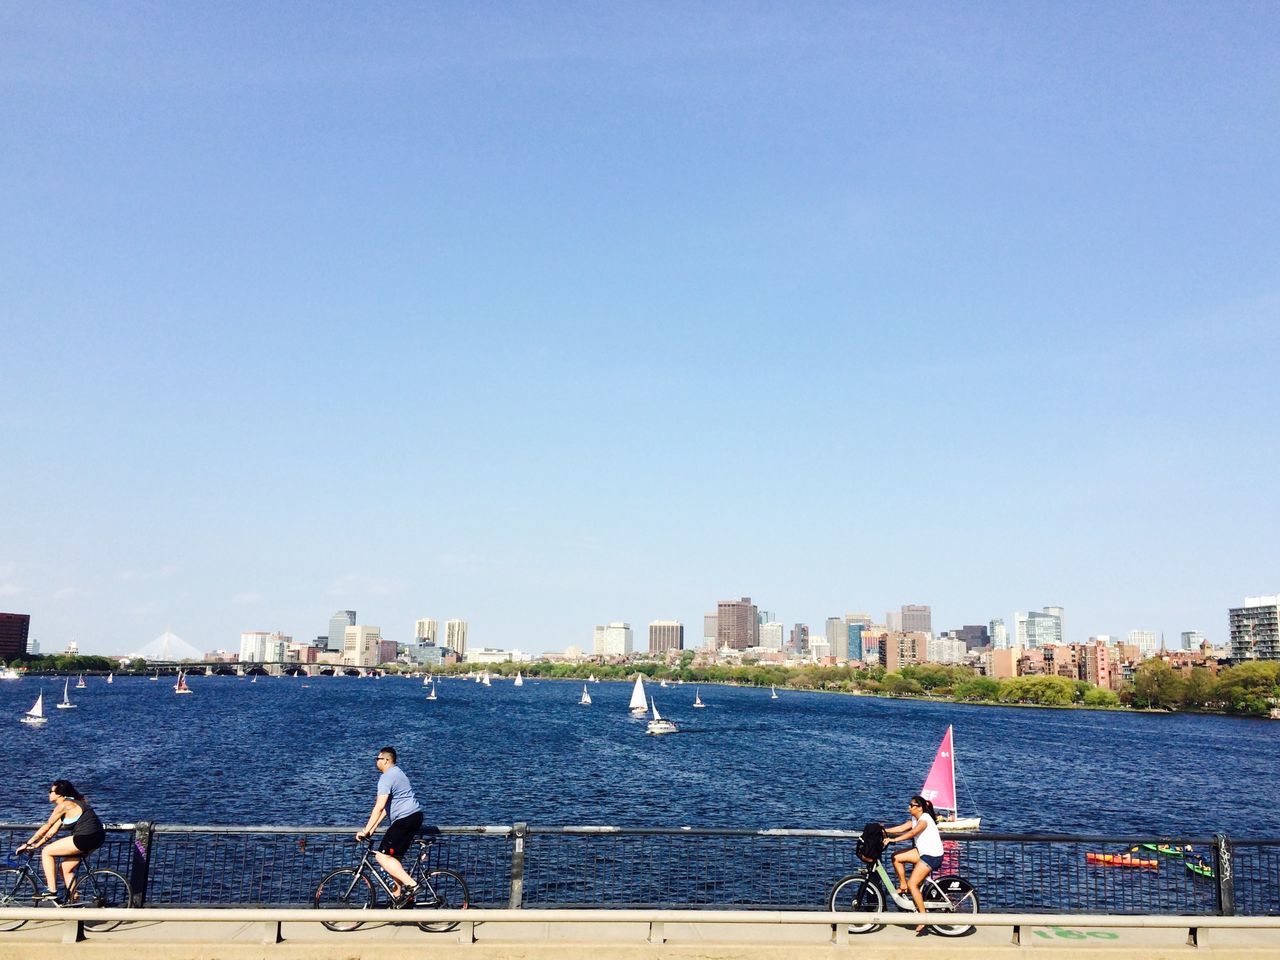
point(271, 669)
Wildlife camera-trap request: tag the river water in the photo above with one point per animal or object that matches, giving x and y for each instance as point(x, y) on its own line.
point(295, 751)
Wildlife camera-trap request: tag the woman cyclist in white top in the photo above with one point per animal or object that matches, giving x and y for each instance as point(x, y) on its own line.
point(926, 855)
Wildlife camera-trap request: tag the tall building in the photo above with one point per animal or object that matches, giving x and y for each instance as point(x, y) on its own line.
point(861, 618)
point(612, 640)
point(15, 629)
point(999, 635)
point(362, 646)
point(425, 631)
point(974, 636)
point(854, 631)
point(917, 618)
point(455, 636)
point(1255, 629)
point(253, 646)
point(1038, 629)
point(338, 624)
point(838, 638)
point(276, 646)
point(736, 624)
point(1192, 639)
point(1146, 641)
point(800, 639)
point(1062, 621)
point(665, 635)
point(771, 635)
point(898, 650)
point(710, 624)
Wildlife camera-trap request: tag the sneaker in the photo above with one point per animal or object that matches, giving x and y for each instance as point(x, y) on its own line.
point(49, 896)
point(407, 895)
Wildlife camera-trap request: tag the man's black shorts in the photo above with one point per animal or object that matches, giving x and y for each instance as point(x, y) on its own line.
point(400, 834)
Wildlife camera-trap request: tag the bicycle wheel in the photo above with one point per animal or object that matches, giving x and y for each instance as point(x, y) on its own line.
point(857, 894)
point(960, 897)
point(345, 888)
point(106, 888)
point(442, 890)
point(17, 889)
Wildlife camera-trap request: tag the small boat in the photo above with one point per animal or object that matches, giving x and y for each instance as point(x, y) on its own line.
point(181, 685)
point(659, 725)
point(156, 678)
point(255, 679)
point(426, 681)
point(484, 679)
point(773, 692)
point(662, 683)
point(1199, 866)
point(697, 699)
point(66, 703)
point(639, 704)
point(35, 716)
point(1121, 860)
point(519, 679)
point(80, 684)
point(432, 694)
point(592, 679)
point(111, 678)
point(940, 789)
point(585, 700)
point(1164, 849)
point(8, 673)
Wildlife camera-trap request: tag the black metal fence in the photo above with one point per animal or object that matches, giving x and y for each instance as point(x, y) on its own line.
point(607, 867)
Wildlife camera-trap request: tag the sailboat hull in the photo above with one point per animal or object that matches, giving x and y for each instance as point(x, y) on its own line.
point(34, 721)
point(961, 825)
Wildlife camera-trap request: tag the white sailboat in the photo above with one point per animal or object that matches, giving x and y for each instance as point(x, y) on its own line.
point(111, 678)
point(663, 684)
point(586, 697)
point(432, 694)
point(80, 684)
point(8, 673)
point(940, 789)
point(35, 716)
point(156, 678)
point(426, 681)
point(519, 679)
point(181, 685)
point(66, 703)
point(697, 698)
point(639, 704)
point(659, 725)
point(591, 678)
point(773, 692)
point(484, 678)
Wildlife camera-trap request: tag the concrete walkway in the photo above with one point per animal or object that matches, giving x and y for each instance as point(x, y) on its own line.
point(43, 940)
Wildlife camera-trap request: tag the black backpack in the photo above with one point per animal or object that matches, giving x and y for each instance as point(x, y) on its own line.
point(871, 843)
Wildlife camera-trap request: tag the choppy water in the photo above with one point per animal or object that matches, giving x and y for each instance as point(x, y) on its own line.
point(277, 751)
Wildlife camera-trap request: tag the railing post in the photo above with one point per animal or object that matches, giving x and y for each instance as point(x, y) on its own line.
point(519, 831)
point(1224, 875)
point(140, 868)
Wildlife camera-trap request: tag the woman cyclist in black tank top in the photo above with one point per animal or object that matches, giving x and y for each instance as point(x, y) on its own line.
point(70, 809)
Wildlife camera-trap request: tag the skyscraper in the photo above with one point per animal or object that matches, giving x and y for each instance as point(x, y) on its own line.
point(917, 618)
point(361, 645)
point(338, 624)
point(1145, 640)
point(736, 624)
point(999, 634)
point(838, 638)
point(14, 634)
point(425, 631)
point(1255, 629)
point(710, 625)
point(771, 635)
point(665, 635)
point(1038, 629)
point(455, 636)
point(800, 639)
point(613, 640)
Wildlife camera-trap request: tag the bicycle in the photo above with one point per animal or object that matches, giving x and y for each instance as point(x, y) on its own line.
point(100, 888)
point(353, 887)
point(864, 893)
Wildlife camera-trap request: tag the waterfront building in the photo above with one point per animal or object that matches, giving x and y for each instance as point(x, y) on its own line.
point(917, 618)
point(425, 630)
point(73, 649)
point(431, 655)
point(1038, 629)
point(1192, 639)
point(737, 626)
point(338, 624)
point(361, 646)
point(15, 630)
point(301, 653)
point(388, 651)
point(1100, 666)
point(1001, 663)
point(455, 637)
point(999, 634)
point(665, 635)
point(1146, 642)
point(710, 625)
point(1255, 629)
point(771, 635)
point(488, 655)
point(612, 640)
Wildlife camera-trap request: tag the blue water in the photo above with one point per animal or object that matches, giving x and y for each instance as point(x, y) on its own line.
point(277, 751)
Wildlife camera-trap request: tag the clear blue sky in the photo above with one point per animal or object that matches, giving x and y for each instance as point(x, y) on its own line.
point(546, 315)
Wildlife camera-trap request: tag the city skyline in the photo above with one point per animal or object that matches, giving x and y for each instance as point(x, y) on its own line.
point(472, 312)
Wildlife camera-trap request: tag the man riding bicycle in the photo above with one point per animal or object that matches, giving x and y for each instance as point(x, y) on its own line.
point(397, 801)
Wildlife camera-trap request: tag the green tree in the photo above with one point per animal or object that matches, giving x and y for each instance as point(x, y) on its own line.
point(1249, 687)
point(1157, 685)
point(1100, 697)
point(1198, 688)
point(977, 688)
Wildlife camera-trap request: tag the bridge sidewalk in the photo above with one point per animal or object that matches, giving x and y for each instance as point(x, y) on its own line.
point(42, 940)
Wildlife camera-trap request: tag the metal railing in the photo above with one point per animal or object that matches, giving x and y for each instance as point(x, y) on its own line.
point(532, 867)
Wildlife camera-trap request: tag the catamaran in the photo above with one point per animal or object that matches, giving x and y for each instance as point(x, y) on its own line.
point(181, 685)
point(697, 698)
point(940, 789)
point(639, 704)
point(66, 703)
point(586, 697)
point(659, 725)
point(35, 716)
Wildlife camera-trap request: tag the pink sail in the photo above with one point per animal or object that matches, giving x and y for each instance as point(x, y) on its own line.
point(940, 786)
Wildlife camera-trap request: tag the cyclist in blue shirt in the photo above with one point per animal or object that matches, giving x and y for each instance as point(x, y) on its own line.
point(397, 802)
